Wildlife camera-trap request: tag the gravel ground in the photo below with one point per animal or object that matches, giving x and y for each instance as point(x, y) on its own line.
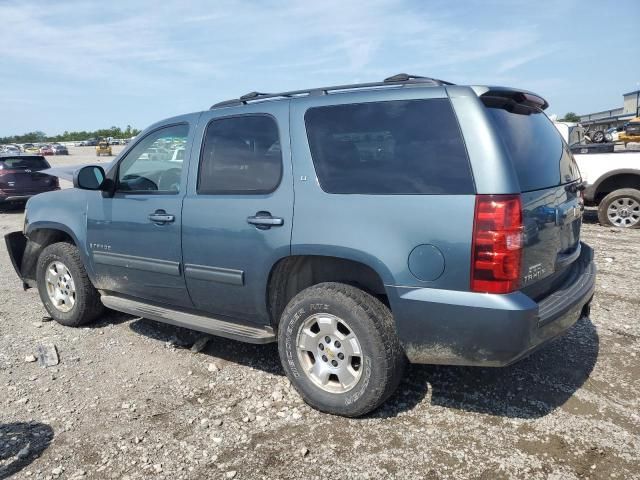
point(130, 399)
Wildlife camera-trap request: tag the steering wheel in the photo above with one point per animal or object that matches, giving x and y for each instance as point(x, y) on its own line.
point(137, 182)
point(169, 180)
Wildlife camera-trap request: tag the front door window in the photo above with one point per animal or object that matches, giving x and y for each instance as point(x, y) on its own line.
point(155, 163)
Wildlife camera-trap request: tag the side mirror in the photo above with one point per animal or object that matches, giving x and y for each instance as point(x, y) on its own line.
point(90, 177)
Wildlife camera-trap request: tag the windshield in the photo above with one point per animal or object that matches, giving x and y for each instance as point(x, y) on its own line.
point(539, 155)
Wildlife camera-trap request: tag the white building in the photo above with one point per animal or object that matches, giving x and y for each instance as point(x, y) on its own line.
point(615, 117)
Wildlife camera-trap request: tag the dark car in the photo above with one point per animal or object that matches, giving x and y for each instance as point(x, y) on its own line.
point(20, 178)
point(434, 223)
point(60, 150)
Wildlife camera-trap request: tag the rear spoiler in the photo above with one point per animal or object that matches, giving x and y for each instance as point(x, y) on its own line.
point(509, 99)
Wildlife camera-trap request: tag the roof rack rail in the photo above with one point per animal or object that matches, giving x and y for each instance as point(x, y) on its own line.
point(395, 80)
point(406, 77)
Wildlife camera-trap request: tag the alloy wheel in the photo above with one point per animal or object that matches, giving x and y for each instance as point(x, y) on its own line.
point(330, 353)
point(61, 288)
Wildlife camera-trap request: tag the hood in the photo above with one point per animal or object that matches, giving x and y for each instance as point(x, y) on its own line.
point(66, 172)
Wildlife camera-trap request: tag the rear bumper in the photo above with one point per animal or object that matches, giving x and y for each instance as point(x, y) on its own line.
point(21, 196)
point(465, 328)
point(16, 198)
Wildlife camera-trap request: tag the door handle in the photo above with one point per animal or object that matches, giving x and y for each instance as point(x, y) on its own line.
point(161, 217)
point(264, 221)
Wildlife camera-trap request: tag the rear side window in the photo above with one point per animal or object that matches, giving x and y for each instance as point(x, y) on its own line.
point(240, 155)
point(23, 163)
point(538, 153)
point(397, 147)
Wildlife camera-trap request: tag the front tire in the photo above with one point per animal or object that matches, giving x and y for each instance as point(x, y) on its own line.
point(339, 349)
point(621, 208)
point(64, 287)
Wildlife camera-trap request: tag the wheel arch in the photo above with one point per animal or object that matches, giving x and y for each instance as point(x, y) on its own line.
point(39, 236)
point(292, 274)
point(613, 180)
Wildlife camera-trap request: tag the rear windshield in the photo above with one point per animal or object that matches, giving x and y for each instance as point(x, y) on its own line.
point(396, 147)
point(23, 163)
point(539, 155)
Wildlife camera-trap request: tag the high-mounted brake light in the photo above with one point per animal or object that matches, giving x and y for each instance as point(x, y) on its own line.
point(497, 244)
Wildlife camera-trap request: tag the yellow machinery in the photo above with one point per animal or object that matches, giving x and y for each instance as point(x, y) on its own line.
point(631, 132)
point(103, 148)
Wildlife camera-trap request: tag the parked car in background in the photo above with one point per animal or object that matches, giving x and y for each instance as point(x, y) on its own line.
point(370, 271)
point(178, 155)
point(103, 148)
point(60, 150)
point(12, 149)
point(611, 135)
point(30, 148)
point(20, 177)
point(46, 150)
point(612, 179)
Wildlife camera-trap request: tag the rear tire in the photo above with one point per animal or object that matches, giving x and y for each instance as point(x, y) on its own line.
point(339, 349)
point(621, 208)
point(64, 287)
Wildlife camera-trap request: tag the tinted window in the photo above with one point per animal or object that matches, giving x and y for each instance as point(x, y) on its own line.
point(23, 163)
point(540, 157)
point(240, 155)
point(149, 166)
point(399, 147)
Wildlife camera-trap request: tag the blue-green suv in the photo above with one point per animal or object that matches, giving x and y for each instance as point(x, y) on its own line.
point(358, 226)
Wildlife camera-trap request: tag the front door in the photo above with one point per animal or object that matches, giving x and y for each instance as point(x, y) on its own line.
point(134, 236)
point(238, 211)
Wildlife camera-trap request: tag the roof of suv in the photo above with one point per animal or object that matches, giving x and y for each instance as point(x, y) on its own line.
point(395, 80)
point(517, 96)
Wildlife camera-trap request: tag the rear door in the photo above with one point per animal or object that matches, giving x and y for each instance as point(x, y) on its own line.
point(551, 202)
point(238, 212)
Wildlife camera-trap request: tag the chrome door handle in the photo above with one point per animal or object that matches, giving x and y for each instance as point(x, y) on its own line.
point(264, 221)
point(161, 217)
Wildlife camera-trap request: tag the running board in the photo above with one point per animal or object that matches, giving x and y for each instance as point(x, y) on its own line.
point(214, 326)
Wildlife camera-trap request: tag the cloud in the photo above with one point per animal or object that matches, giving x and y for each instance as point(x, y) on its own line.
point(525, 57)
point(186, 55)
point(150, 42)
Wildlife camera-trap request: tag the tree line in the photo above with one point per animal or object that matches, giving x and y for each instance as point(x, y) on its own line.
point(40, 137)
point(571, 117)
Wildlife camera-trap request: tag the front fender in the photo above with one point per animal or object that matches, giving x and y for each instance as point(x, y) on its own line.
point(63, 211)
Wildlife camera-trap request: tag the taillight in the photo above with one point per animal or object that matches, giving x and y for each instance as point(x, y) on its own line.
point(497, 244)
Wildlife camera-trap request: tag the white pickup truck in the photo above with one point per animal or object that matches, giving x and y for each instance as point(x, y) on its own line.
point(613, 181)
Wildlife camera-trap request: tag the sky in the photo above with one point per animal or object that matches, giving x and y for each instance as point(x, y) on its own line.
point(84, 65)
